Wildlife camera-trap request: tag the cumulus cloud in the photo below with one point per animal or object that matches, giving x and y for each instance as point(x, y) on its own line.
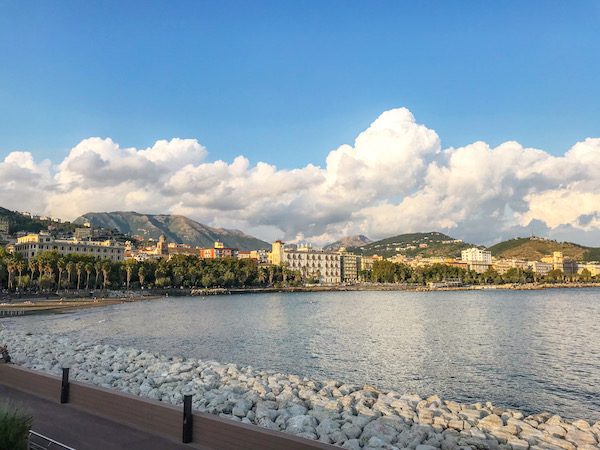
point(394, 179)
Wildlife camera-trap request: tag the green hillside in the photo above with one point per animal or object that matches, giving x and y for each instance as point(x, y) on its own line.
point(19, 222)
point(533, 249)
point(427, 245)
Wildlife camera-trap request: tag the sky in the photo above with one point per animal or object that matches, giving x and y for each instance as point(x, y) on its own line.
point(307, 120)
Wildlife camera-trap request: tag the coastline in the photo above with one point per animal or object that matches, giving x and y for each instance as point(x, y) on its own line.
point(351, 416)
point(40, 305)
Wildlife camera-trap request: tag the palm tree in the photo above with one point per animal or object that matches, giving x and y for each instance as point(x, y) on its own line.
point(106, 266)
point(79, 266)
point(21, 266)
point(70, 269)
point(60, 264)
point(130, 265)
point(142, 275)
point(98, 267)
point(88, 270)
point(32, 267)
point(11, 267)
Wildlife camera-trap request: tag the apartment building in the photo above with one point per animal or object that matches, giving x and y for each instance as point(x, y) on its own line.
point(324, 266)
point(32, 244)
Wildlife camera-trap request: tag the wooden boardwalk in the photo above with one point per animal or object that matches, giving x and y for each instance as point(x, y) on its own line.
point(161, 419)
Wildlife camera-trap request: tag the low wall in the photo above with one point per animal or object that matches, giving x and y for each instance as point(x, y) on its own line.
point(209, 431)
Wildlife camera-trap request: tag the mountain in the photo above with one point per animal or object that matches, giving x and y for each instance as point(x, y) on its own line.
point(426, 245)
point(176, 228)
point(356, 240)
point(534, 248)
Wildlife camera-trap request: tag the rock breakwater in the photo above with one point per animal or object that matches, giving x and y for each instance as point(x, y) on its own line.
point(352, 417)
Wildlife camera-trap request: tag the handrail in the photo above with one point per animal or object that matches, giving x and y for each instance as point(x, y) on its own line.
point(34, 446)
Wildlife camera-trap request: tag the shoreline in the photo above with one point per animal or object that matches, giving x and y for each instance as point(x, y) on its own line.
point(40, 305)
point(351, 416)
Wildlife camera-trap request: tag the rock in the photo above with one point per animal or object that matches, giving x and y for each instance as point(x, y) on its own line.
point(426, 447)
point(379, 430)
point(554, 420)
point(352, 444)
point(491, 422)
point(582, 425)
point(351, 430)
point(327, 427)
point(579, 437)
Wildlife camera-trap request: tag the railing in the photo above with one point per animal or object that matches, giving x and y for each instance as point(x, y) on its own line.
point(46, 442)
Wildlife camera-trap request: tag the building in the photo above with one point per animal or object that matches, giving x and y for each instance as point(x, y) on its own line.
point(592, 267)
point(219, 251)
point(83, 233)
point(366, 262)
point(31, 245)
point(504, 265)
point(350, 264)
point(4, 225)
point(162, 249)
point(262, 256)
point(475, 254)
point(324, 266)
point(565, 265)
point(540, 267)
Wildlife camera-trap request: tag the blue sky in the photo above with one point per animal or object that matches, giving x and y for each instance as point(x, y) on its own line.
point(307, 120)
point(286, 82)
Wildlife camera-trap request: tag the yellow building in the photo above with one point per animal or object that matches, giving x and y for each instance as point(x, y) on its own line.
point(32, 244)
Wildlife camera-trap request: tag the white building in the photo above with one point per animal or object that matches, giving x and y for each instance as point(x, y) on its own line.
point(476, 255)
point(325, 266)
point(32, 244)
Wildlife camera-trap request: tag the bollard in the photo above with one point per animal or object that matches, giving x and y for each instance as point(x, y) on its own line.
point(64, 388)
point(188, 419)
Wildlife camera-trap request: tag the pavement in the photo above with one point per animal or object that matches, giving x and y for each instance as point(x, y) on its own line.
point(84, 431)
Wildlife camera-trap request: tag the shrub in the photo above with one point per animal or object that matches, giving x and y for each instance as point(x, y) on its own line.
point(14, 427)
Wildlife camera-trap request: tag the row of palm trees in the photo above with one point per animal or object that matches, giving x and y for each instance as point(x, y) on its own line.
point(50, 270)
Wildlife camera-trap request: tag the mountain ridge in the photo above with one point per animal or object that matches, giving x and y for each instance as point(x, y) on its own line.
point(356, 240)
point(176, 228)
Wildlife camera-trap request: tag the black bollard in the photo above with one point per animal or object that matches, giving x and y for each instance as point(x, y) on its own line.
point(188, 419)
point(64, 388)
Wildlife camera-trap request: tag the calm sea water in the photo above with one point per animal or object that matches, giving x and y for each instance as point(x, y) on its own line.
point(534, 351)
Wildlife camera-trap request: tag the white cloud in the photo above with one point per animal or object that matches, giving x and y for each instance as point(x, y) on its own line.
point(394, 179)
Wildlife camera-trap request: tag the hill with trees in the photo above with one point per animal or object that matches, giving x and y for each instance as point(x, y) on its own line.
point(534, 249)
point(426, 245)
point(20, 222)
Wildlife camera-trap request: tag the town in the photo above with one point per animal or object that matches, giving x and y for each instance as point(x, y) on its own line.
point(94, 257)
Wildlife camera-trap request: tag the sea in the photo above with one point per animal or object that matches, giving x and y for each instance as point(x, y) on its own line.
point(534, 351)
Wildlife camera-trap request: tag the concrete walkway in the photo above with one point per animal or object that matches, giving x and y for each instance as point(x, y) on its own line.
point(81, 430)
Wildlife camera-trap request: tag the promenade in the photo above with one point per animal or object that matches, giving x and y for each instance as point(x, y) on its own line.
point(80, 430)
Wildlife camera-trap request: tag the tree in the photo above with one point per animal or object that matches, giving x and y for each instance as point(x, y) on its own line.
point(98, 268)
point(142, 275)
point(60, 264)
point(78, 267)
point(130, 266)
point(32, 267)
point(88, 270)
point(70, 270)
point(585, 275)
point(106, 267)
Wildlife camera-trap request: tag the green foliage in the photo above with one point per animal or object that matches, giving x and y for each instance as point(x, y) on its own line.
point(438, 245)
point(14, 427)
